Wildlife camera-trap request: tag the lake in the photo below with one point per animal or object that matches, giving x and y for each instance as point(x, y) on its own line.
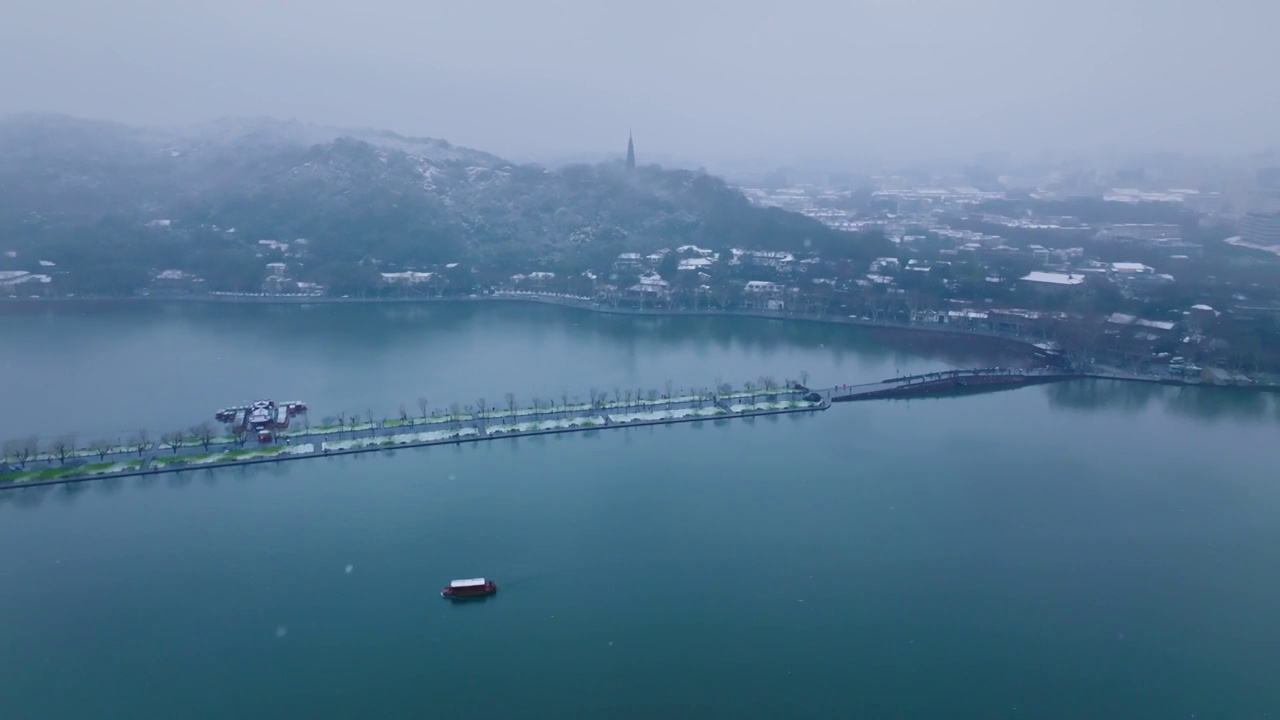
point(1089, 549)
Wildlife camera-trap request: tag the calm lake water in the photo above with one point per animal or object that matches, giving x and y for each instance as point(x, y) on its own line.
point(1084, 550)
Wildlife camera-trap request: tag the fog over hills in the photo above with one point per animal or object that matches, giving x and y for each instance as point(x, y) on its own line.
point(130, 200)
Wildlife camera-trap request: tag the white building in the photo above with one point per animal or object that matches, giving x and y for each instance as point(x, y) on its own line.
point(628, 260)
point(695, 263)
point(534, 279)
point(764, 295)
point(408, 277)
point(1131, 268)
point(693, 250)
point(880, 265)
point(1051, 282)
point(651, 287)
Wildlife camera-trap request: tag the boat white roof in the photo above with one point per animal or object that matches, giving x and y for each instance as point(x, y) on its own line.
point(473, 582)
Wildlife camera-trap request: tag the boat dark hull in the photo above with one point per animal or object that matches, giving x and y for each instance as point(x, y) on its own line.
point(449, 594)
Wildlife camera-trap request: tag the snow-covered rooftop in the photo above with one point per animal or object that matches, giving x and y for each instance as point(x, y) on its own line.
point(1049, 278)
point(1131, 267)
point(695, 263)
point(408, 276)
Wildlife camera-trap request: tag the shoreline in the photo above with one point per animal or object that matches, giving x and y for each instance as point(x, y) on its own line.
point(541, 299)
point(459, 440)
point(995, 338)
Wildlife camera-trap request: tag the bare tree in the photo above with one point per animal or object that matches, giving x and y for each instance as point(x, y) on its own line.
point(751, 388)
point(63, 447)
point(141, 442)
point(352, 421)
point(203, 434)
point(617, 396)
point(240, 436)
point(627, 404)
point(804, 378)
point(404, 413)
point(770, 385)
point(342, 421)
point(594, 395)
point(536, 403)
point(373, 426)
point(481, 405)
point(671, 387)
point(173, 440)
point(22, 451)
point(653, 397)
point(511, 405)
point(422, 406)
point(100, 447)
point(564, 399)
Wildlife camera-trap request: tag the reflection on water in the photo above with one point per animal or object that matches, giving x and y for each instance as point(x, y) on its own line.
point(69, 493)
point(1222, 402)
point(1208, 403)
point(393, 327)
point(382, 356)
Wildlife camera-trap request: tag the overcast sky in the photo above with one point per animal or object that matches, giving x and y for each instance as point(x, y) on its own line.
point(699, 79)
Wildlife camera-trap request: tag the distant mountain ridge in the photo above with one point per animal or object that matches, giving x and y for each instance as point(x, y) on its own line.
point(227, 133)
point(366, 200)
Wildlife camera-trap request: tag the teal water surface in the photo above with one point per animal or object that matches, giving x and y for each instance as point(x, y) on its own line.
point(1067, 551)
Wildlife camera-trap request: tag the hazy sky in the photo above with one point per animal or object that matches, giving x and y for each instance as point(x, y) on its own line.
point(701, 79)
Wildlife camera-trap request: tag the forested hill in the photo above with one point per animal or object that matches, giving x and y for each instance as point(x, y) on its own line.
point(127, 201)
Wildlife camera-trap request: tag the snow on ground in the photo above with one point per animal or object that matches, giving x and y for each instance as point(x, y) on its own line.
point(665, 415)
point(771, 406)
point(299, 449)
point(162, 460)
point(115, 468)
point(234, 455)
point(205, 459)
point(228, 458)
point(544, 425)
point(400, 439)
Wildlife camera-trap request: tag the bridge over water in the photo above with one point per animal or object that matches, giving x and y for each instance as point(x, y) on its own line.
point(948, 382)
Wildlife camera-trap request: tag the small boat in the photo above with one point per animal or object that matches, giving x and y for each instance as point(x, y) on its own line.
point(471, 588)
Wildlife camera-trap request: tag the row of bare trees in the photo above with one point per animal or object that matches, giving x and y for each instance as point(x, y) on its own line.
point(22, 451)
point(482, 411)
point(26, 450)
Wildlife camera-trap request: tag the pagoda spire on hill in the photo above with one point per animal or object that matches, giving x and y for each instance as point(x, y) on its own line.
point(631, 152)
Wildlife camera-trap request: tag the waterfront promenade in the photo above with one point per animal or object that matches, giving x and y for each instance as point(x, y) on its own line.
point(143, 456)
point(57, 462)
